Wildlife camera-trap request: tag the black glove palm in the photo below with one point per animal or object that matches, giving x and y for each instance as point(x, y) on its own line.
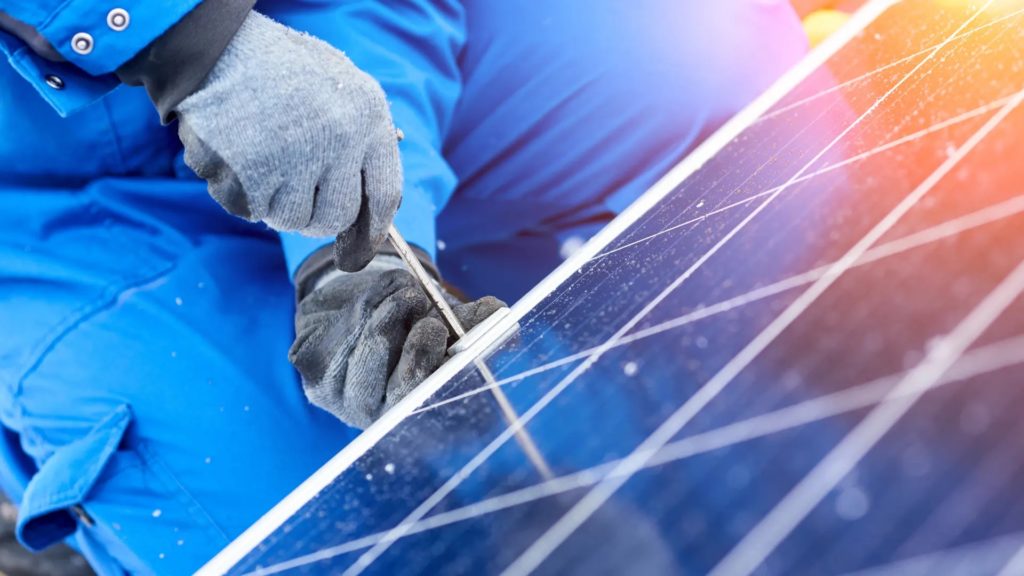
point(364, 340)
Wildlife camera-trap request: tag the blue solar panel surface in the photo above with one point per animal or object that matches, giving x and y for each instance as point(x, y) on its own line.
point(806, 358)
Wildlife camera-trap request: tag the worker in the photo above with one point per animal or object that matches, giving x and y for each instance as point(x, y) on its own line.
point(161, 348)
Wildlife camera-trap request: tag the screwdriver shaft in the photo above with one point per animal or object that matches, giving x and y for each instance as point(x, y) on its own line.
point(451, 321)
point(426, 281)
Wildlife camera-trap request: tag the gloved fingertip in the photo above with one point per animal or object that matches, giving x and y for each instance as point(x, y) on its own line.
point(356, 246)
point(411, 301)
point(491, 304)
point(422, 354)
point(428, 334)
point(352, 254)
point(475, 312)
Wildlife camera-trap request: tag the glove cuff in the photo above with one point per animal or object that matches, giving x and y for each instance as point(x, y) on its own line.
point(320, 264)
point(174, 65)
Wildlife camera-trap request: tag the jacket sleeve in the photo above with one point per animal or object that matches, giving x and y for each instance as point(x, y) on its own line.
point(92, 38)
point(412, 49)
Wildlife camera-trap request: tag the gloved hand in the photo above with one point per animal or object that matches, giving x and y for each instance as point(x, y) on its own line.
point(282, 126)
point(365, 339)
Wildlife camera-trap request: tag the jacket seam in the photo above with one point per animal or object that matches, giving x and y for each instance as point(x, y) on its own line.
point(115, 135)
point(53, 16)
point(80, 316)
point(162, 471)
point(78, 489)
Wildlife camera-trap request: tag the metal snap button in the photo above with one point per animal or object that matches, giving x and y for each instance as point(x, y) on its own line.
point(82, 515)
point(82, 43)
point(55, 82)
point(118, 19)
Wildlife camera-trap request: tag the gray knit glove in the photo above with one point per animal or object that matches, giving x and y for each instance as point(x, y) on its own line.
point(364, 340)
point(287, 131)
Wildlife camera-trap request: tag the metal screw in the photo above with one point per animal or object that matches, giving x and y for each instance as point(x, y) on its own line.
point(82, 515)
point(118, 19)
point(82, 43)
point(55, 82)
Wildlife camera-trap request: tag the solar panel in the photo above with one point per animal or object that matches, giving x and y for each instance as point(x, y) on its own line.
point(801, 352)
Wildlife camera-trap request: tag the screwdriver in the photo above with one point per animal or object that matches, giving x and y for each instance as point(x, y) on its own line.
point(453, 324)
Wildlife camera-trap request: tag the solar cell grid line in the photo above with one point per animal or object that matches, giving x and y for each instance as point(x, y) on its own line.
point(1015, 567)
point(772, 192)
point(989, 358)
point(993, 213)
point(941, 125)
point(938, 563)
point(976, 362)
point(900, 42)
point(744, 202)
point(991, 125)
point(990, 474)
point(760, 541)
point(562, 529)
point(847, 83)
point(980, 111)
point(803, 127)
